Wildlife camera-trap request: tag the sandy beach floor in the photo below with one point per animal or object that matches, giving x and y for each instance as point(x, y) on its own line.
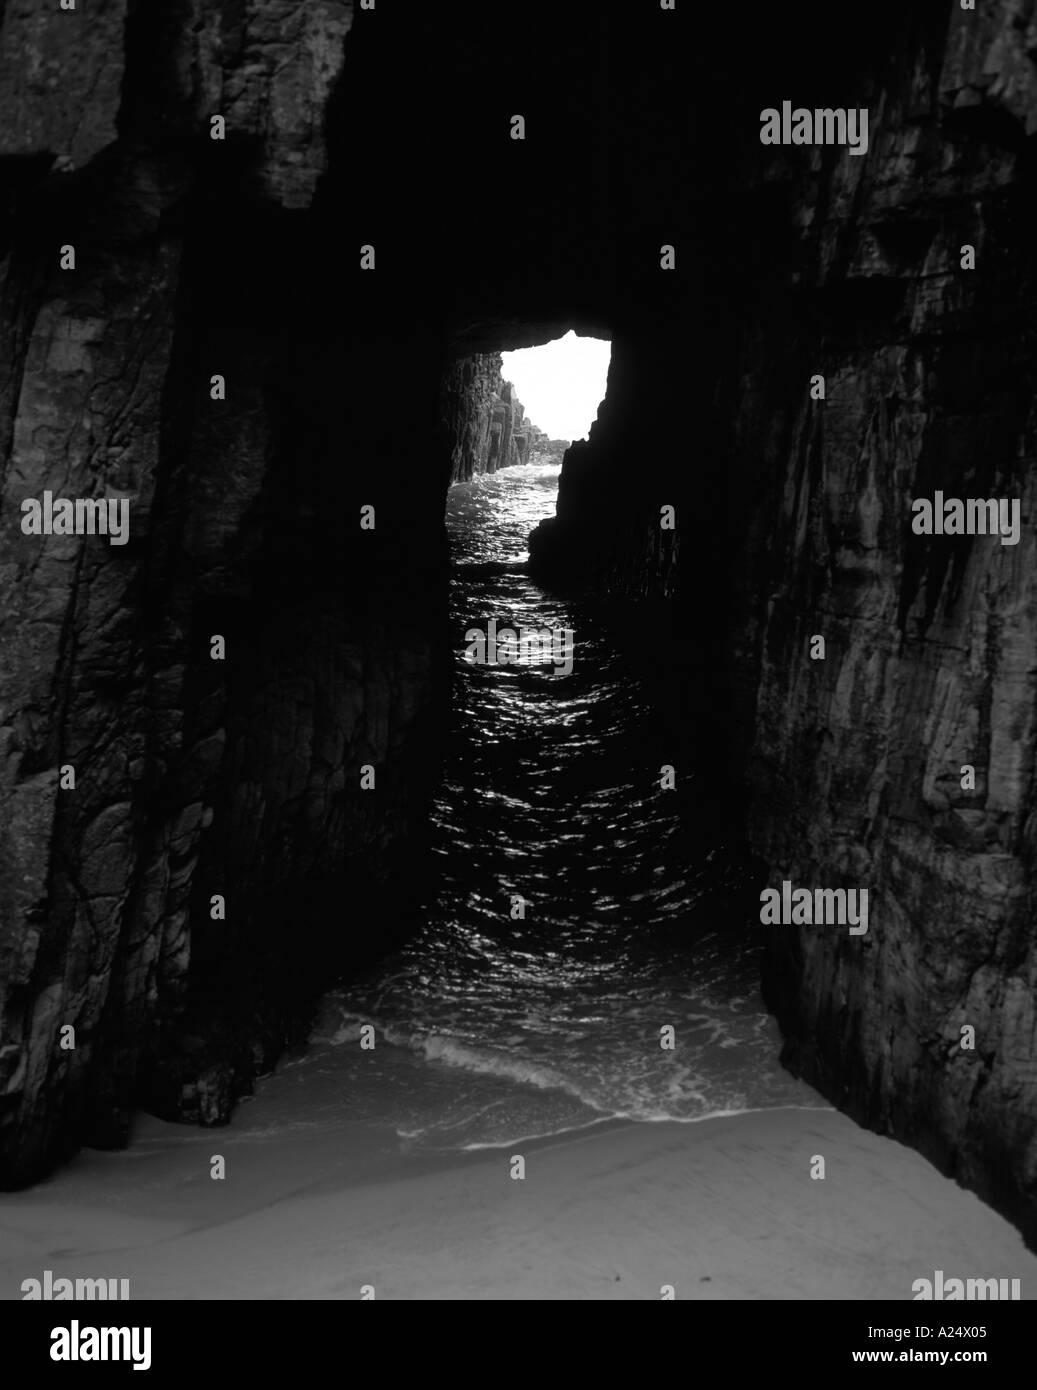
point(721, 1209)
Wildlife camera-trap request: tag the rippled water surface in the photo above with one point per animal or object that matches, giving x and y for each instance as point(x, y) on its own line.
point(491, 1029)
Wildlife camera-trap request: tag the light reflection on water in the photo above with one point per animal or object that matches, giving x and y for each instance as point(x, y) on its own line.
point(490, 1029)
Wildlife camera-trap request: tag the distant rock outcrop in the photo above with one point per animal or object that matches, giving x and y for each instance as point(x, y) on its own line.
point(485, 420)
point(549, 451)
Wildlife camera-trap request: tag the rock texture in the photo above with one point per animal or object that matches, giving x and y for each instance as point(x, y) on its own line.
point(195, 778)
point(932, 641)
point(851, 268)
point(484, 419)
point(60, 81)
point(549, 451)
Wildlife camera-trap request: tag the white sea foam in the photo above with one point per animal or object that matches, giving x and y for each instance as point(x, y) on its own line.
point(610, 1070)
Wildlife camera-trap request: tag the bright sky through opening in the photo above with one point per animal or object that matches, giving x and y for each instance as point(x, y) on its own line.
point(561, 384)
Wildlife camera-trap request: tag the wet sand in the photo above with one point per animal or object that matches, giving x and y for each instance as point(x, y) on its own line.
point(720, 1209)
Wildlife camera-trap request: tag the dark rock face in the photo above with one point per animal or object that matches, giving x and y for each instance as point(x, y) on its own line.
point(857, 762)
point(194, 778)
point(348, 389)
point(851, 268)
point(484, 419)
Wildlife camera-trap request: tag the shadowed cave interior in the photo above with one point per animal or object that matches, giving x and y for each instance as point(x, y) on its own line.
point(346, 388)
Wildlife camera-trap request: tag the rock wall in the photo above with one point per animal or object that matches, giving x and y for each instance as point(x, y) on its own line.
point(169, 367)
point(857, 761)
point(484, 420)
point(852, 767)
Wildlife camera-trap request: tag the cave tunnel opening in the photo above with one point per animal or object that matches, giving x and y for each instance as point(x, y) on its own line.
point(583, 898)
